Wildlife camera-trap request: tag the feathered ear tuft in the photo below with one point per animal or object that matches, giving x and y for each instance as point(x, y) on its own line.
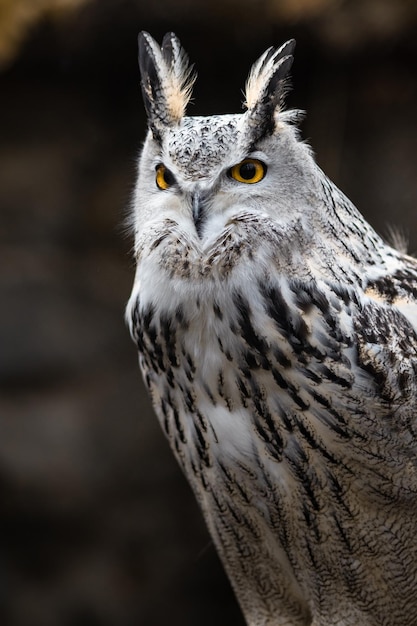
point(265, 87)
point(167, 80)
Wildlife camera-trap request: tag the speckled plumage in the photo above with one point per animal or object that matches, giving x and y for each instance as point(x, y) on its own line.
point(277, 336)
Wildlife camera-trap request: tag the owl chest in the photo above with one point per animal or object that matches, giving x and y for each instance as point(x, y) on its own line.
point(233, 380)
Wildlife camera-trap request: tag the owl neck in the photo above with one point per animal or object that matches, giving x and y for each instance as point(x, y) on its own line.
point(344, 239)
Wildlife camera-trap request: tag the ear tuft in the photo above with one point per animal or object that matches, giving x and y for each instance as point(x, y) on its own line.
point(167, 80)
point(265, 87)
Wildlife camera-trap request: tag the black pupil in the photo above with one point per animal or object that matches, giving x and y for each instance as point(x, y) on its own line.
point(247, 171)
point(169, 177)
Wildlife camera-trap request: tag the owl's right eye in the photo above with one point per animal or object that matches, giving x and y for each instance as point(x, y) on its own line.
point(164, 177)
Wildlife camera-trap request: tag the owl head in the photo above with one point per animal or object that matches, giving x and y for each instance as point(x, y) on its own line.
point(198, 171)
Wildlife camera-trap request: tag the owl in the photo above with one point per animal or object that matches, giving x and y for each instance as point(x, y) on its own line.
point(277, 336)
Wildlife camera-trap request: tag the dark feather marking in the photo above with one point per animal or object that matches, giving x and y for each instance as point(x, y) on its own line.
point(251, 360)
point(201, 440)
point(377, 325)
point(189, 401)
point(244, 392)
point(404, 380)
point(273, 445)
point(337, 490)
point(152, 349)
point(169, 335)
point(208, 392)
point(222, 392)
point(205, 483)
point(314, 443)
point(308, 294)
point(147, 338)
point(164, 410)
point(258, 360)
point(170, 377)
point(247, 330)
point(224, 350)
point(181, 319)
point(311, 520)
point(177, 447)
point(136, 326)
point(338, 424)
point(243, 547)
point(178, 424)
point(334, 378)
point(195, 469)
point(201, 420)
point(157, 242)
point(307, 483)
point(217, 311)
point(246, 371)
point(390, 287)
point(329, 342)
point(202, 446)
point(311, 375)
point(343, 533)
point(285, 418)
point(380, 377)
point(279, 379)
point(285, 384)
point(336, 331)
point(247, 470)
point(328, 188)
point(307, 434)
point(298, 400)
point(139, 339)
point(255, 530)
point(290, 323)
point(189, 373)
point(280, 357)
point(311, 555)
point(277, 518)
point(347, 295)
point(226, 472)
point(159, 355)
point(299, 462)
point(237, 516)
point(242, 492)
point(221, 506)
point(220, 384)
point(147, 318)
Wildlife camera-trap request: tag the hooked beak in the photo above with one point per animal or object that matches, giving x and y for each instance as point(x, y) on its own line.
point(198, 204)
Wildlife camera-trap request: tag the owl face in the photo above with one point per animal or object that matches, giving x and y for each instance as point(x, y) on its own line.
point(200, 172)
point(207, 168)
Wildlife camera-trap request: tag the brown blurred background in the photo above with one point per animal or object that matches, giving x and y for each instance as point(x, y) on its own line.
point(98, 527)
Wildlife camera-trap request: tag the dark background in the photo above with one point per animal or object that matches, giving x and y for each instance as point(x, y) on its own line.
point(97, 525)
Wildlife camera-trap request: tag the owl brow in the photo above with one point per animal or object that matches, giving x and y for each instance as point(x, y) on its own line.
point(250, 148)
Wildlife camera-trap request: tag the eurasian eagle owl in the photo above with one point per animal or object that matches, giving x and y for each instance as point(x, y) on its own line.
point(277, 337)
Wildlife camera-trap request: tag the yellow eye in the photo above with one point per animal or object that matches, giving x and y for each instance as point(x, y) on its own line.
point(248, 171)
point(164, 178)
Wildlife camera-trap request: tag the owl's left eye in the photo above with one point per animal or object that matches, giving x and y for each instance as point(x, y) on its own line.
point(248, 171)
point(164, 177)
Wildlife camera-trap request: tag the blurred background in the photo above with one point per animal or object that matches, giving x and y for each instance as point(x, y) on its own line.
point(98, 526)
